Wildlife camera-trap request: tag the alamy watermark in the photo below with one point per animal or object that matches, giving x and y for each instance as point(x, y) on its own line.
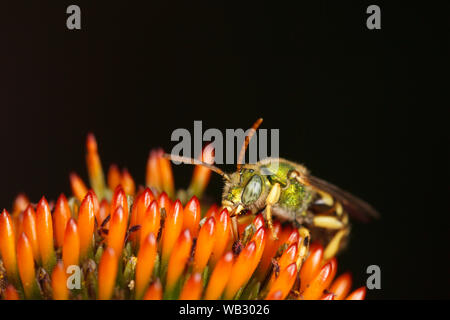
point(74, 278)
point(226, 147)
point(373, 22)
point(73, 21)
point(374, 280)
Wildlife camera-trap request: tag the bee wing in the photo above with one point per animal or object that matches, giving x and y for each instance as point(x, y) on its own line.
point(357, 208)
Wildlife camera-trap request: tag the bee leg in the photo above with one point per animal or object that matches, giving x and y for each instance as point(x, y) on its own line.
point(332, 223)
point(333, 246)
point(272, 198)
point(234, 213)
point(328, 222)
point(234, 228)
point(339, 222)
point(303, 245)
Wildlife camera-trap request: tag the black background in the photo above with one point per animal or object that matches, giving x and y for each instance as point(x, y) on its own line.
point(360, 108)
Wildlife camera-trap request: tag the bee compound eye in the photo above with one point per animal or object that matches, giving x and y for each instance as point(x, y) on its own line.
point(252, 190)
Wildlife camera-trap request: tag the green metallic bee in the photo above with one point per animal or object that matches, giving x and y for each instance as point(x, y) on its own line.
point(288, 192)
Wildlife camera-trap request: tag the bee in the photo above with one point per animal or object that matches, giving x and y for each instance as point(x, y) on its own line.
point(286, 191)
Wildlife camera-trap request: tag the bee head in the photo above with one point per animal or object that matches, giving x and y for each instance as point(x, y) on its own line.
point(243, 191)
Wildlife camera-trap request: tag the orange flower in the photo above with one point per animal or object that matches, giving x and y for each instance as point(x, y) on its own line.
point(358, 294)
point(284, 282)
point(164, 202)
point(166, 175)
point(44, 226)
point(119, 199)
point(270, 250)
point(145, 264)
point(151, 221)
point(117, 230)
point(127, 182)
point(275, 295)
point(240, 272)
point(103, 213)
point(107, 273)
point(328, 296)
point(201, 175)
point(288, 257)
point(71, 246)
point(212, 211)
point(178, 260)
point(11, 293)
point(29, 228)
point(222, 235)
point(341, 286)
point(159, 173)
point(20, 204)
point(26, 267)
point(79, 189)
point(113, 177)
point(258, 222)
point(60, 217)
point(260, 239)
point(319, 283)
point(172, 229)
point(192, 289)
point(205, 243)
point(8, 245)
point(154, 291)
point(142, 204)
point(153, 177)
point(86, 223)
point(311, 265)
point(139, 210)
point(191, 216)
point(18, 225)
point(94, 166)
point(219, 277)
point(59, 282)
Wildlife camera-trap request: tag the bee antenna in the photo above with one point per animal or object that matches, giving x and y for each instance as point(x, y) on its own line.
point(247, 141)
point(187, 160)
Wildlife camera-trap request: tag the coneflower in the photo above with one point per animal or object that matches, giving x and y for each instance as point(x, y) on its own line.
point(154, 243)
